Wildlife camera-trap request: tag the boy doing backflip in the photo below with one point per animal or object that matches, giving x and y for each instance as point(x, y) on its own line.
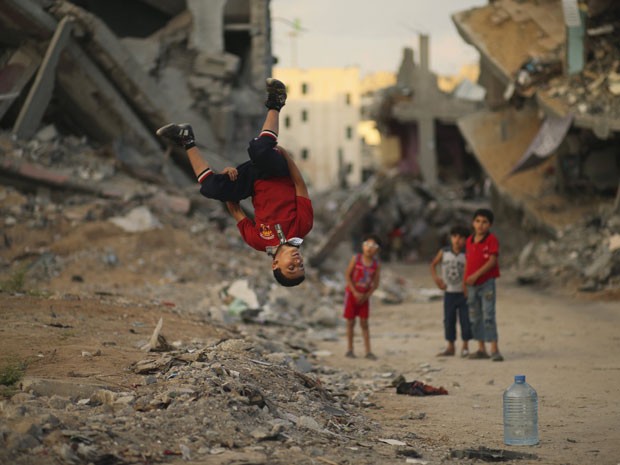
point(362, 278)
point(452, 260)
point(282, 206)
point(481, 270)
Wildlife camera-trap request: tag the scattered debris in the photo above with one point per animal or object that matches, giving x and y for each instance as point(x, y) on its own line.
point(418, 388)
point(491, 455)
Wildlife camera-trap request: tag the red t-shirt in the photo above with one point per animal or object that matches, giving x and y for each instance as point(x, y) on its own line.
point(478, 253)
point(274, 203)
point(362, 275)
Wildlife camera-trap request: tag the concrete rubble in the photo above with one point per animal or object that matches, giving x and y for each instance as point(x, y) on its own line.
point(95, 76)
point(257, 392)
point(552, 112)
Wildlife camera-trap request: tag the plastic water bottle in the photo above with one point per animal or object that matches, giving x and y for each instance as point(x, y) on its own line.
point(520, 414)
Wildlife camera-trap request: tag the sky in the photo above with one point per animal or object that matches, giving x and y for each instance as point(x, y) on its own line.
point(370, 35)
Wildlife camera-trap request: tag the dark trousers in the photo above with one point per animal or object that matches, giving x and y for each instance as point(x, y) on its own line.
point(456, 303)
point(265, 162)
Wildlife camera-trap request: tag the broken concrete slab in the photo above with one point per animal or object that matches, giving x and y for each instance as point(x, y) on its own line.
point(16, 74)
point(122, 68)
point(208, 32)
point(84, 90)
point(40, 93)
point(220, 66)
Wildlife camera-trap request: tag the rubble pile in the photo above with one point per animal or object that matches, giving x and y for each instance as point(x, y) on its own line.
point(412, 220)
point(237, 398)
point(85, 68)
point(596, 90)
point(584, 255)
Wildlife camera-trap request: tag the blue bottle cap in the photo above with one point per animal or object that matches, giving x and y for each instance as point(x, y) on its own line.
point(519, 378)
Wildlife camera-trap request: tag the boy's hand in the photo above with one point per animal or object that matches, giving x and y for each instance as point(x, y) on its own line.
point(231, 172)
point(441, 284)
point(471, 280)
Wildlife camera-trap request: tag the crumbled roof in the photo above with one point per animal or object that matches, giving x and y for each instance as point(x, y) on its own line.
point(509, 33)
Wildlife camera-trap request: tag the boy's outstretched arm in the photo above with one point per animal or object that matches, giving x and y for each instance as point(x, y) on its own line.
point(440, 283)
point(301, 190)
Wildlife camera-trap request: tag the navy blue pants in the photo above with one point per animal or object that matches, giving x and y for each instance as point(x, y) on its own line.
point(265, 162)
point(456, 303)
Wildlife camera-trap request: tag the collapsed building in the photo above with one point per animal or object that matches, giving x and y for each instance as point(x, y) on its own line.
point(538, 133)
point(548, 137)
point(418, 122)
point(429, 180)
point(115, 71)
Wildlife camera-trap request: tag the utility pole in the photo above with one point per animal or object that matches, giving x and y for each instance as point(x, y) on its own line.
point(295, 30)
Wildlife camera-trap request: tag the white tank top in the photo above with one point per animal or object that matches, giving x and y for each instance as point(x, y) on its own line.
point(452, 269)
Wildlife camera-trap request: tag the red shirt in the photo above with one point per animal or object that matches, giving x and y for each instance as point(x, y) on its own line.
point(478, 253)
point(362, 275)
point(274, 203)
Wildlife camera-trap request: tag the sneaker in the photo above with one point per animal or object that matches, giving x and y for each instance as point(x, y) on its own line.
point(478, 355)
point(497, 357)
point(371, 356)
point(181, 135)
point(276, 94)
point(446, 353)
point(350, 354)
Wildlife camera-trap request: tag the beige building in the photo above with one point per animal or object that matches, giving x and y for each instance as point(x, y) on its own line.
point(324, 126)
point(319, 124)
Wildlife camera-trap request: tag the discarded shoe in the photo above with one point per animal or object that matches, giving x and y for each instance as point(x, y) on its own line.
point(478, 355)
point(418, 388)
point(371, 356)
point(464, 353)
point(350, 354)
point(276, 94)
point(181, 135)
point(446, 353)
point(497, 357)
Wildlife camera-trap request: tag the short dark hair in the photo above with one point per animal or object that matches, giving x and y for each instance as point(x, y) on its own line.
point(486, 213)
point(287, 282)
point(460, 230)
point(374, 237)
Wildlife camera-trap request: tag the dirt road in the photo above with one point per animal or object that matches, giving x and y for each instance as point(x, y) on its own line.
point(566, 346)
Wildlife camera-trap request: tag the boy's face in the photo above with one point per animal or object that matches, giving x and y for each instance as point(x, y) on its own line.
point(370, 247)
point(458, 241)
point(481, 225)
point(290, 262)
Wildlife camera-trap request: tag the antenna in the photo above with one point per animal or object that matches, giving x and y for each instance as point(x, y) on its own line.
point(295, 30)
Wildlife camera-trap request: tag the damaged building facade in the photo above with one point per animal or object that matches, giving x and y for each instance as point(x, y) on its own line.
point(116, 71)
point(417, 122)
point(548, 137)
point(550, 70)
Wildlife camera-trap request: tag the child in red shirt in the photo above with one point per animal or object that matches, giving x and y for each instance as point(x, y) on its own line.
point(362, 278)
point(481, 270)
point(282, 206)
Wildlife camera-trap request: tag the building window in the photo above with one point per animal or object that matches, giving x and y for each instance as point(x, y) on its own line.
point(304, 88)
point(287, 122)
point(304, 115)
point(349, 132)
point(347, 99)
point(305, 153)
